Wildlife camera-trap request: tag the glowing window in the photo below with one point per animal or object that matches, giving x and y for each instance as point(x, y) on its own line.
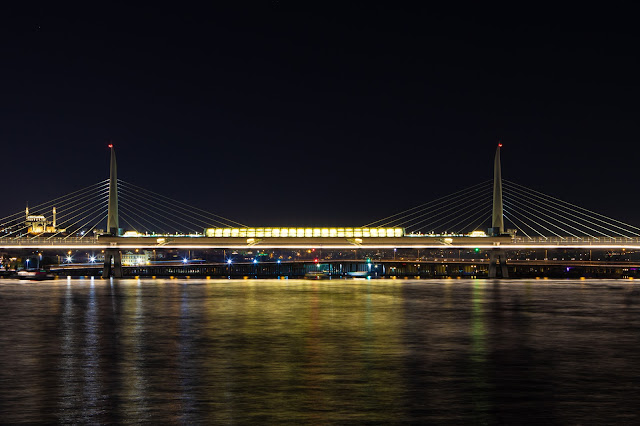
point(357, 232)
point(366, 232)
point(333, 232)
point(348, 232)
point(374, 232)
point(235, 232)
point(284, 232)
point(317, 232)
point(341, 232)
point(308, 232)
point(275, 232)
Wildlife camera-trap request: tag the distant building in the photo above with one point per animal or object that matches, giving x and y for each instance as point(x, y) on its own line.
point(134, 259)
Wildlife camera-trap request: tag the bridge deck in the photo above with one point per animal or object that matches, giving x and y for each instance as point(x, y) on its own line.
point(409, 242)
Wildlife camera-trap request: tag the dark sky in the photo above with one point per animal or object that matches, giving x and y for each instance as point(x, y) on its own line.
point(283, 112)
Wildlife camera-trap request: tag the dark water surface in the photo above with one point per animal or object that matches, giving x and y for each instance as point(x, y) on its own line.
point(290, 351)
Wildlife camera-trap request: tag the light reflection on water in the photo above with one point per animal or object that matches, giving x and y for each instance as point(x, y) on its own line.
point(443, 351)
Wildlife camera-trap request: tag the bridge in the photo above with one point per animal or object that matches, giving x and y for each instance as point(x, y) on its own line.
point(534, 221)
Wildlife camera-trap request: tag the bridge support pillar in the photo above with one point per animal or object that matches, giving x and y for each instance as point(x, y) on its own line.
point(114, 270)
point(498, 259)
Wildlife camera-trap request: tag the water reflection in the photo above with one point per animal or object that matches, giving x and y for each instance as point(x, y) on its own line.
point(486, 352)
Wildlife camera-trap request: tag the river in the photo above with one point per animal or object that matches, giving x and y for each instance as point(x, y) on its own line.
point(301, 351)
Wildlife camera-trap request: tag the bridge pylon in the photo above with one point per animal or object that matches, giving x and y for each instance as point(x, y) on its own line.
point(497, 257)
point(497, 221)
point(113, 223)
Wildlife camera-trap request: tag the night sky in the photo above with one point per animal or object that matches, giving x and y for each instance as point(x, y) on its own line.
point(282, 112)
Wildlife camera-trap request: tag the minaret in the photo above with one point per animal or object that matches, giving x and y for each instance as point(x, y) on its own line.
point(497, 224)
point(54, 218)
point(113, 223)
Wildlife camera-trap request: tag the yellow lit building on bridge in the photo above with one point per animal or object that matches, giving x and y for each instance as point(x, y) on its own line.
point(303, 232)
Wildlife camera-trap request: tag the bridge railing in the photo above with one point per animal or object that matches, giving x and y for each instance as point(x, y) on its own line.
point(576, 240)
point(21, 241)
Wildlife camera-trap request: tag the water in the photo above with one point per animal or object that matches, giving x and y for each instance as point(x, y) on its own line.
point(296, 351)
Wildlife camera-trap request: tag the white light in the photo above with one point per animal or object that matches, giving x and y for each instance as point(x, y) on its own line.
point(229, 261)
point(92, 259)
point(69, 259)
point(185, 260)
point(255, 260)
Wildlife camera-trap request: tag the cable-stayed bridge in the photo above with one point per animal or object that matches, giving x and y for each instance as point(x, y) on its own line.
point(497, 214)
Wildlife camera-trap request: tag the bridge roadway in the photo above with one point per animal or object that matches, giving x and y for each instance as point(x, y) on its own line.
point(406, 242)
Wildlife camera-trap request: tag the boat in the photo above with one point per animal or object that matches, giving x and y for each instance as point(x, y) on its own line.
point(317, 275)
point(359, 274)
point(34, 275)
